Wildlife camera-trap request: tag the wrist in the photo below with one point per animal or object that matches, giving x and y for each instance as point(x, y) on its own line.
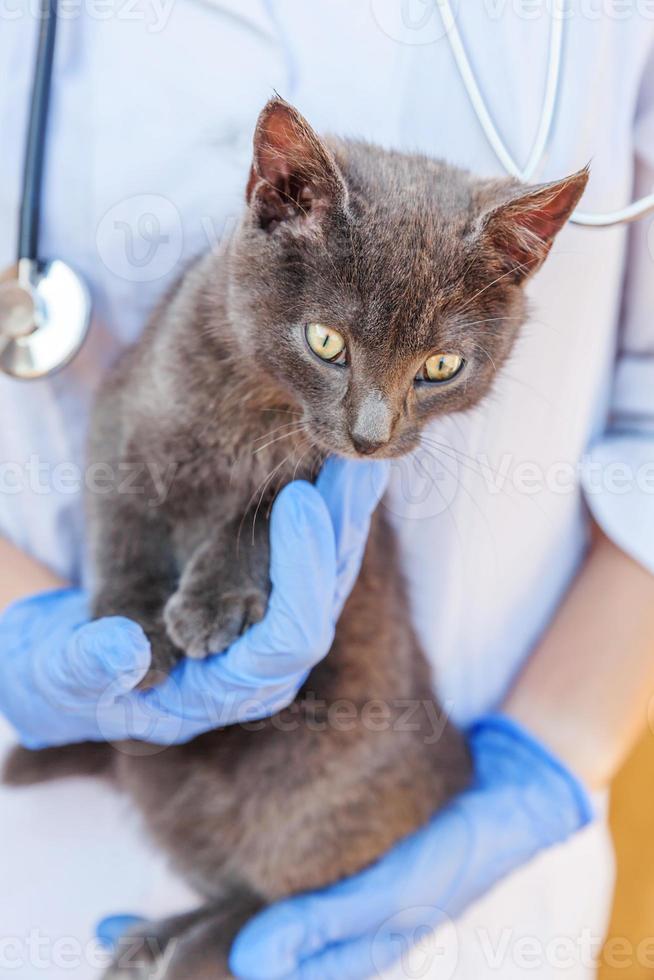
point(29, 614)
point(556, 798)
point(21, 575)
point(586, 687)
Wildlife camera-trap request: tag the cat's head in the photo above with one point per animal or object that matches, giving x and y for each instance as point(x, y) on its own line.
point(379, 290)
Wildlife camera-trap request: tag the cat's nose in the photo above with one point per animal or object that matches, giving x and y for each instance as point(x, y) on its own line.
point(371, 422)
point(366, 446)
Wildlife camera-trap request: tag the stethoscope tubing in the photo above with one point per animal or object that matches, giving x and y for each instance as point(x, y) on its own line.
point(632, 212)
point(30, 207)
point(35, 143)
point(47, 306)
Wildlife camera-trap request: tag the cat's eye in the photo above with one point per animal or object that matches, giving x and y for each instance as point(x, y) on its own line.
point(326, 342)
point(440, 367)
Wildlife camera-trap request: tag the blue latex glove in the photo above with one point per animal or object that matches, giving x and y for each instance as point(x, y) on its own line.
point(65, 679)
point(522, 800)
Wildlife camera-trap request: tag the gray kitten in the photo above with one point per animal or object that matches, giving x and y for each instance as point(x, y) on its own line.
point(364, 294)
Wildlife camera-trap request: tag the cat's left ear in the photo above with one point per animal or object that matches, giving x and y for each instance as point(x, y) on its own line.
point(294, 174)
point(523, 229)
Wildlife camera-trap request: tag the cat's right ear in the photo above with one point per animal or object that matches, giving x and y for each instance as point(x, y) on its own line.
point(294, 176)
point(522, 229)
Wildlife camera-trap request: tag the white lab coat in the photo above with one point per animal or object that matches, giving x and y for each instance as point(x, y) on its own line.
point(152, 115)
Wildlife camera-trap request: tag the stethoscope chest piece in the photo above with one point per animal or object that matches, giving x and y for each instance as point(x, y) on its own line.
point(45, 308)
point(44, 317)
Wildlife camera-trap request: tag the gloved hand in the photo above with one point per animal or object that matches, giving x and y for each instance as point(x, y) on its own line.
point(65, 679)
point(522, 800)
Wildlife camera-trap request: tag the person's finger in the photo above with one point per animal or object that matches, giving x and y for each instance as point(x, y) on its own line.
point(421, 871)
point(112, 651)
point(272, 657)
point(32, 614)
point(298, 627)
point(273, 944)
point(409, 937)
point(359, 959)
point(352, 490)
point(111, 929)
point(305, 948)
point(261, 671)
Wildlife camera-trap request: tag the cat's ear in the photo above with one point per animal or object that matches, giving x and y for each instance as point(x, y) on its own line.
point(294, 174)
point(523, 229)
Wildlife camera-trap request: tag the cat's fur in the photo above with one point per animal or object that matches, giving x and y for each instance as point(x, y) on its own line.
point(405, 256)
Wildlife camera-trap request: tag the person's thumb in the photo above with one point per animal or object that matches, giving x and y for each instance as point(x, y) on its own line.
point(106, 652)
point(110, 930)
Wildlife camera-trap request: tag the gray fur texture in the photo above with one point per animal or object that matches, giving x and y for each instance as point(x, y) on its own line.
point(406, 257)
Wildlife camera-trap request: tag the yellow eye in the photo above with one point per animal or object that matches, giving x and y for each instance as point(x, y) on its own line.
point(440, 367)
point(326, 342)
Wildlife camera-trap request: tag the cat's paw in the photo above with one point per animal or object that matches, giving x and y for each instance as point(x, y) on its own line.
point(138, 964)
point(201, 626)
point(148, 971)
point(164, 656)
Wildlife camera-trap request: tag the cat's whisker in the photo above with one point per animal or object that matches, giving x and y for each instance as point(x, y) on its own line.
point(530, 388)
point(461, 485)
point(295, 470)
point(509, 272)
point(479, 347)
point(316, 464)
point(299, 462)
point(285, 435)
point(263, 490)
point(459, 457)
point(475, 469)
point(280, 411)
point(297, 427)
point(446, 505)
point(490, 319)
point(278, 428)
point(251, 500)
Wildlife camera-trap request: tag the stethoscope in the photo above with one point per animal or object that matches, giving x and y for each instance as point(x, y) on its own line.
point(639, 208)
point(45, 306)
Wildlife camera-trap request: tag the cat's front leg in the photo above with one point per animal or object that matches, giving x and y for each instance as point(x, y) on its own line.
point(223, 590)
point(135, 573)
point(193, 946)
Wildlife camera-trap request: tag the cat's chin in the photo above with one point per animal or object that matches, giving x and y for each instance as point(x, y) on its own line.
point(391, 451)
point(334, 444)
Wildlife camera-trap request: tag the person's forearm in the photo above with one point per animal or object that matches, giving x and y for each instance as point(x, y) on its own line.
point(586, 689)
point(21, 575)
